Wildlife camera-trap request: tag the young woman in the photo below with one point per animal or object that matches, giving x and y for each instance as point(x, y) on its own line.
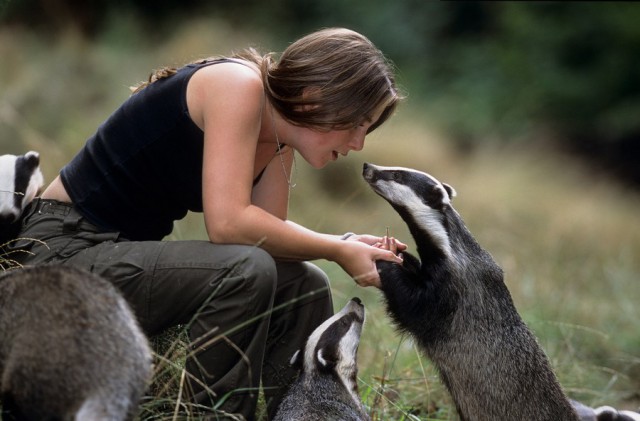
point(218, 137)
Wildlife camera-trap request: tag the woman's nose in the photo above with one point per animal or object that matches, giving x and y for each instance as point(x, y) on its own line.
point(357, 143)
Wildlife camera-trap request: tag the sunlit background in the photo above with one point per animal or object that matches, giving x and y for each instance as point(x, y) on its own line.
point(531, 110)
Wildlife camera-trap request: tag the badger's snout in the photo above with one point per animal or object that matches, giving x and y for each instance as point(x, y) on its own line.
point(368, 172)
point(8, 218)
point(380, 179)
point(356, 307)
point(371, 174)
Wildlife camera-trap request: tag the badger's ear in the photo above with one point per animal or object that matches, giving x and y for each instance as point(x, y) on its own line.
point(296, 360)
point(450, 190)
point(326, 359)
point(32, 159)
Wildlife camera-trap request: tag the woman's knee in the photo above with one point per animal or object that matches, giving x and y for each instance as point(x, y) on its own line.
point(249, 280)
point(258, 268)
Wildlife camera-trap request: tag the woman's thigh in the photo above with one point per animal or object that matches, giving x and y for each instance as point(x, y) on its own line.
point(169, 282)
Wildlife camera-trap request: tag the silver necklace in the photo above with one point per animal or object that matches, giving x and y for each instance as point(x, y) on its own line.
point(284, 170)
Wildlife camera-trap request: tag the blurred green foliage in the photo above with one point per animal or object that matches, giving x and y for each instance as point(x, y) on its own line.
point(506, 71)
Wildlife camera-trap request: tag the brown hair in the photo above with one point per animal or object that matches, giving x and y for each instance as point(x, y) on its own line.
point(334, 78)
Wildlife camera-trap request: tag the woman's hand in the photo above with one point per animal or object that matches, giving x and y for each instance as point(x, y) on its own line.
point(387, 243)
point(359, 255)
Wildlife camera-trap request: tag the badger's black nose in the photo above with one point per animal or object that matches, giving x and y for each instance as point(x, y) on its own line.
point(357, 300)
point(8, 218)
point(367, 171)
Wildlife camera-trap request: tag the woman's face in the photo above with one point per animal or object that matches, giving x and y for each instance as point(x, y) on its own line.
point(318, 148)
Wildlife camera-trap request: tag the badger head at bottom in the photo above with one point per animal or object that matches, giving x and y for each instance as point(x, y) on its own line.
point(327, 385)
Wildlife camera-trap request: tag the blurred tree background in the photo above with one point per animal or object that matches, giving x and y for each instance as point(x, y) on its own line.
point(530, 109)
point(564, 74)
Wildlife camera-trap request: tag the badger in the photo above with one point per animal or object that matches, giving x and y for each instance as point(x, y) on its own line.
point(454, 303)
point(603, 413)
point(326, 388)
point(20, 181)
point(70, 349)
point(607, 413)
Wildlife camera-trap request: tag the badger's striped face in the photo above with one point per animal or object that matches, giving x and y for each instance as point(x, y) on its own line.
point(20, 181)
point(336, 340)
point(333, 346)
point(416, 194)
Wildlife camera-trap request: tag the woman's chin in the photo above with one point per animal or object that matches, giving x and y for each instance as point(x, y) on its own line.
point(321, 162)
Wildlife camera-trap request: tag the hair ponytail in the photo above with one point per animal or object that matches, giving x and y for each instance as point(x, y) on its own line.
point(157, 74)
point(248, 54)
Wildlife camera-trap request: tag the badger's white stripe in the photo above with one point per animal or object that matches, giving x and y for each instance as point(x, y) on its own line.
point(315, 337)
point(427, 219)
point(313, 341)
point(35, 183)
point(613, 413)
point(633, 415)
point(348, 347)
point(7, 184)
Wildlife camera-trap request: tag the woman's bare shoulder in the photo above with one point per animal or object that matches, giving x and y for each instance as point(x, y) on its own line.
point(230, 85)
point(236, 74)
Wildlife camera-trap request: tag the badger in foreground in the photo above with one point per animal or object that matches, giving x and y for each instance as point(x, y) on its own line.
point(455, 304)
point(70, 347)
point(327, 387)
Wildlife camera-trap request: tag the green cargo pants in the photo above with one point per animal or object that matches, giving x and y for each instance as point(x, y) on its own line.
point(246, 313)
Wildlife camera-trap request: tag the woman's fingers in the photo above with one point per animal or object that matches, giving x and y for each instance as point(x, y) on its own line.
point(391, 244)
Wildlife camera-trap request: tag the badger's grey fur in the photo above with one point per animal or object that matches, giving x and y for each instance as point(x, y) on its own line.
point(70, 348)
point(20, 181)
point(327, 388)
point(455, 304)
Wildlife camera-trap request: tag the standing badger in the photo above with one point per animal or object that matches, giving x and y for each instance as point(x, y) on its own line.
point(70, 348)
point(20, 181)
point(327, 387)
point(455, 304)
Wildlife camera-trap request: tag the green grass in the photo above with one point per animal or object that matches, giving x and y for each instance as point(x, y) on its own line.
point(567, 238)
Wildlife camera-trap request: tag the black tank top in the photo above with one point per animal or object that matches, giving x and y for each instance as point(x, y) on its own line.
point(142, 169)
